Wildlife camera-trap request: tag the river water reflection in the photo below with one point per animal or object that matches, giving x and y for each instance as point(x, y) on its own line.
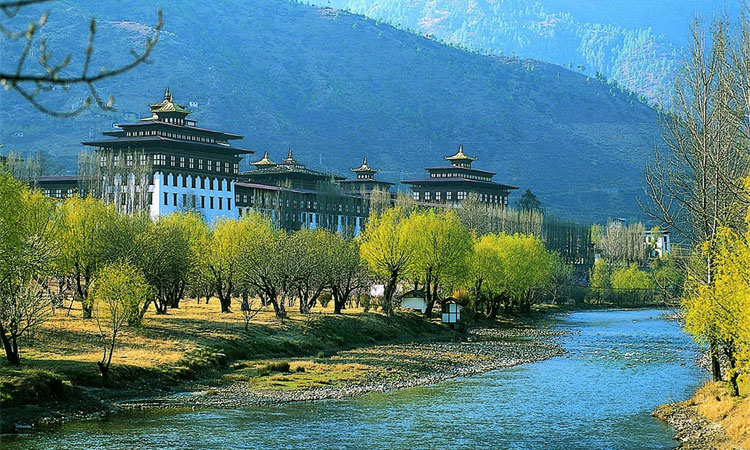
point(619, 367)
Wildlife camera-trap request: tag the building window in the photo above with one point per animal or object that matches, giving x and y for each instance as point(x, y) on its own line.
point(184, 181)
point(184, 200)
point(218, 182)
point(427, 195)
point(174, 180)
point(448, 195)
point(191, 163)
point(203, 201)
point(437, 196)
point(117, 160)
point(218, 166)
point(211, 203)
point(144, 159)
point(129, 160)
point(416, 196)
point(229, 204)
point(236, 168)
point(182, 161)
point(226, 167)
point(220, 202)
point(166, 199)
point(209, 164)
point(172, 160)
point(160, 160)
point(461, 195)
point(174, 199)
point(193, 182)
point(200, 164)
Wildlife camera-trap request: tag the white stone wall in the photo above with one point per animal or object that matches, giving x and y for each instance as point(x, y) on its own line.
point(158, 208)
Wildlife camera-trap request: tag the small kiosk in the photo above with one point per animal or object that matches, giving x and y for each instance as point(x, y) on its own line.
point(451, 311)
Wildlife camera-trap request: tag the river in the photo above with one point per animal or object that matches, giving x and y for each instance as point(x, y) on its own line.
point(620, 365)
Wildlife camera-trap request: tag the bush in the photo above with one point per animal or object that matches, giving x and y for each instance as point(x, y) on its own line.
point(325, 299)
point(278, 366)
point(300, 369)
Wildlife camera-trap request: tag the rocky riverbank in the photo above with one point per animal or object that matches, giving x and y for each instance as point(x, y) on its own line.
point(387, 367)
point(692, 430)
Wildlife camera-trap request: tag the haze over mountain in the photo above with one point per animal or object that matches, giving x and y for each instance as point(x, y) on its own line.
point(335, 87)
point(636, 43)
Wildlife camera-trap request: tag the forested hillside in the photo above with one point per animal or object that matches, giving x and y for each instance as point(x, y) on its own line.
point(335, 87)
point(636, 43)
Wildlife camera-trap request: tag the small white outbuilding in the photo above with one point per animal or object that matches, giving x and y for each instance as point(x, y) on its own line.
point(414, 299)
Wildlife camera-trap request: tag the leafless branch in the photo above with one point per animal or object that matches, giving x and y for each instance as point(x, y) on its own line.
point(31, 83)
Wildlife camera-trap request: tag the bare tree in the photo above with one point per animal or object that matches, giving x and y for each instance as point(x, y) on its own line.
point(696, 186)
point(32, 82)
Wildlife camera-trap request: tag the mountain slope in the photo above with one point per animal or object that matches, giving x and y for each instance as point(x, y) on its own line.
point(636, 43)
point(335, 87)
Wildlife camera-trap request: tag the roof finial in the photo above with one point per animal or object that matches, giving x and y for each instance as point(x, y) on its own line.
point(167, 94)
point(460, 148)
point(289, 156)
point(265, 155)
point(364, 161)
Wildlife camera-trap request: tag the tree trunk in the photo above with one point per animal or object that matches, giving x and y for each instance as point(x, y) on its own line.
point(734, 373)
point(338, 302)
point(11, 348)
point(715, 364)
point(226, 302)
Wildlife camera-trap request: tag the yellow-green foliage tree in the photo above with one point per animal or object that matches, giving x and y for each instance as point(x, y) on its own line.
point(388, 249)
point(118, 293)
point(265, 267)
point(83, 243)
point(509, 269)
point(528, 267)
point(631, 278)
point(222, 254)
point(599, 278)
point(486, 276)
point(27, 248)
point(442, 248)
point(721, 312)
point(170, 256)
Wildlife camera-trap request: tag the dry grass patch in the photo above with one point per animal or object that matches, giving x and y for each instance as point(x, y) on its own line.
point(714, 402)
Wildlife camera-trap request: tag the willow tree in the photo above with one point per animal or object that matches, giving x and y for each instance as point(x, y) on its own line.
point(83, 243)
point(118, 292)
point(27, 248)
point(388, 248)
point(222, 255)
point(695, 187)
point(442, 247)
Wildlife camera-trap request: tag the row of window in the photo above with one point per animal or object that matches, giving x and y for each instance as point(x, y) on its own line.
point(460, 195)
point(169, 134)
point(193, 163)
point(454, 175)
point(311, 205)
point(197, 182)
point(58, 193)
point(192, 201)
point(129, 159)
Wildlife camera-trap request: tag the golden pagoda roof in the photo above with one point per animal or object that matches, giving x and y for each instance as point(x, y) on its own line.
point(289, 158)
point(365, 167)
point(168, 105)
point(264, 162)
point(460, 156)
